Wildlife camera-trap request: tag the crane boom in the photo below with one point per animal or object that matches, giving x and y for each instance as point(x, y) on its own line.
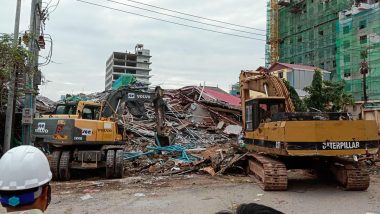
point(274, 36)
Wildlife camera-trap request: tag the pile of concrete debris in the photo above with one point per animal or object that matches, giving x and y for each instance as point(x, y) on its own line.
point(204, 123)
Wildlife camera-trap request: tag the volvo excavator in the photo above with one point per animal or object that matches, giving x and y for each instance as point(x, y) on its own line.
point(280, 138)
point(88, 135)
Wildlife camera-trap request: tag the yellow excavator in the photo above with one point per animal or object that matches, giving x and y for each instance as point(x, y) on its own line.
point(88, 135)
point(280, 138)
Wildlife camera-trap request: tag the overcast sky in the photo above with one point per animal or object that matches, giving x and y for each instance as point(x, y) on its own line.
point(84, 36)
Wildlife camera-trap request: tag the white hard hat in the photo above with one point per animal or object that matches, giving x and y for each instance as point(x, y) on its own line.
point(23, 167)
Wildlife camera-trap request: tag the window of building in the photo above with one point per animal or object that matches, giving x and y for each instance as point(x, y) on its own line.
point(362, 24)
point(347, 73)
point(320, 8)
point(347, 58)
point(320, 32)
point(281, 74)
point(334, 63)
point(363, 39)
point(346, 44)
point(299, 39)
point(321, 54)
point(346, 29)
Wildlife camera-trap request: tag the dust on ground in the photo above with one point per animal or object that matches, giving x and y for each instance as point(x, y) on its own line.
point(207, 194)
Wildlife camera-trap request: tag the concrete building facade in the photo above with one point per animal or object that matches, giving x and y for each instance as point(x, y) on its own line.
point(125, 63)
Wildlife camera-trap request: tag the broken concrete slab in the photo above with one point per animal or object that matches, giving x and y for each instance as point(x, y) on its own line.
point(233, 130)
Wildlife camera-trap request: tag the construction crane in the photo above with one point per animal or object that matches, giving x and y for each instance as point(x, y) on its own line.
point(274, 36)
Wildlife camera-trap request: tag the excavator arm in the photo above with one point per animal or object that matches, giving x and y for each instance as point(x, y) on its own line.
point(135, 101)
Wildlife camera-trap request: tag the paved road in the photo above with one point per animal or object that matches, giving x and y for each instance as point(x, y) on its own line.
point(205, 194)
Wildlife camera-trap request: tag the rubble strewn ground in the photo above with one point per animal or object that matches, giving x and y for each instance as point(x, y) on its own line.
point(193, 193)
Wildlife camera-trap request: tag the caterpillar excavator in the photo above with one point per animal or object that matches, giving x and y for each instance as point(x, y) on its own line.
point(88, 135)
point(280, 138)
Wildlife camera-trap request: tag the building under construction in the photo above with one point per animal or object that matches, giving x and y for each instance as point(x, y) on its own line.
point(358, 40)
point(310, 32)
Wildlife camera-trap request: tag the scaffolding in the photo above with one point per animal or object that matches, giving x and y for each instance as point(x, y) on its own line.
point(307, 32)
point(358, 39)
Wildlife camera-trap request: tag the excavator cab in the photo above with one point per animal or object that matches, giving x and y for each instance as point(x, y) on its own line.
point(261, 110)
point(65, 108)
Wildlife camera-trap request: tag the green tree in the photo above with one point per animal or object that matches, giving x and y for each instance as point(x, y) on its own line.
point(298, 103)
point(10, 58)
point(337, 97)
point(316, 98)
point(327, 95)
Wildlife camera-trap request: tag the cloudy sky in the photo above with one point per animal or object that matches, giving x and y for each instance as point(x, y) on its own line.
point(84, 36)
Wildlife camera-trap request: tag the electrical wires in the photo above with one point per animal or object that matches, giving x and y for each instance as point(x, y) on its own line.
point(186, 19)
point(178, 23)
point(199, 17)
point(50, 54)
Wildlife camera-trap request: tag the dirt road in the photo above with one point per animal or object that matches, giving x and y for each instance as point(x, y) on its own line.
point(206, 194)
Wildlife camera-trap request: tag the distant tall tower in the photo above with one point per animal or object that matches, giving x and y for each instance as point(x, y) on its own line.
point(121, 63)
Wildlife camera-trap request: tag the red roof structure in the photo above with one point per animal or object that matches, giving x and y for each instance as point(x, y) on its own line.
point(213, 94)
point(225, 97)
point(278, 66)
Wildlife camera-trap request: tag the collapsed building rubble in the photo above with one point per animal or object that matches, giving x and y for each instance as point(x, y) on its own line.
point(204, 123)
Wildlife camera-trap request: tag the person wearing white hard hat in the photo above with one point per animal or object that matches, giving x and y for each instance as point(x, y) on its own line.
point(24, 181)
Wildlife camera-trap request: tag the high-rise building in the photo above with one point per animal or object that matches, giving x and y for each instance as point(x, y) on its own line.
point(125, 63)
point(307, 32)
point(358, 40)
point(332, 35)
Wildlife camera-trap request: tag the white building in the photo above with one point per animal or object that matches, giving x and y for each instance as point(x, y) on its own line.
point(136, 64)
point(298, 76)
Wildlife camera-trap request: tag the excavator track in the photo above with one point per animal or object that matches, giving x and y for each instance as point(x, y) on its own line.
point(350, 175)
point(271, 174)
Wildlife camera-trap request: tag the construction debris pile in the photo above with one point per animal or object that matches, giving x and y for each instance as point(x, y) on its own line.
point(203, 123)
point(44, 104)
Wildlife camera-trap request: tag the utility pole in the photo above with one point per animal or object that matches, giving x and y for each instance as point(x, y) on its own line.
point(29, 106)
point(11, 91)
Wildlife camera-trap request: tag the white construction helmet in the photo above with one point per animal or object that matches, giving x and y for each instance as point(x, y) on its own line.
point(23, 167)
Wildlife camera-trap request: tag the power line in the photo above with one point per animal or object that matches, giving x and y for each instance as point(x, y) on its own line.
point(199, 17)
point(55, 7)
point(177, 17)
point(171, 22)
